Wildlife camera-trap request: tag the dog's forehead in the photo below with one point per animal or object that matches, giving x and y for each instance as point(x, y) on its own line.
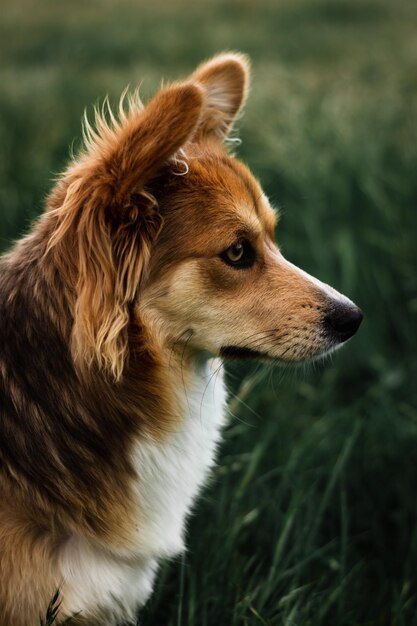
point(233, 190)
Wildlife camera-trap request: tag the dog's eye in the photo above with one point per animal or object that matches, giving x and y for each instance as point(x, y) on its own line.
point(240, 255)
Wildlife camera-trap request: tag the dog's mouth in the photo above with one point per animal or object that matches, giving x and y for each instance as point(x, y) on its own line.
point(237, 353)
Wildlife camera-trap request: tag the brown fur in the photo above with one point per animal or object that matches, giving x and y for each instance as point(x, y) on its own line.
point(94, 307)
point(67, 331)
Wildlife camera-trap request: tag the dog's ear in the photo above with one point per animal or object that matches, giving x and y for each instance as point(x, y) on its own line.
point(225, 79)
point(106, 221)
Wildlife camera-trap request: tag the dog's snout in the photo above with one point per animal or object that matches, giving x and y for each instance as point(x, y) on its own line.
point(344, 320)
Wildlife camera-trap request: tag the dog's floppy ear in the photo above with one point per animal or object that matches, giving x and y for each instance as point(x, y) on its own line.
point(225, 79)
point(106, 221)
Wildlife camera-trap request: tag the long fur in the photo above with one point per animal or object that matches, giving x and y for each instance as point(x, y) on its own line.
point(110, 310)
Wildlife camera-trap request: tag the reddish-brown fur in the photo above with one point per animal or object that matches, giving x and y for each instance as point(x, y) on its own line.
point(80, 378)
point(93, 316)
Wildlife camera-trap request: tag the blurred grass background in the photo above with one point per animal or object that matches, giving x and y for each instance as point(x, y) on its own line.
point(311, 517)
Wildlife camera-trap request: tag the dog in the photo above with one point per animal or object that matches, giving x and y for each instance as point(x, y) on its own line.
point(154, 258)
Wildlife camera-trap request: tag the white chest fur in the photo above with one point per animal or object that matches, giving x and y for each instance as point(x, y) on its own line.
point(170, 476)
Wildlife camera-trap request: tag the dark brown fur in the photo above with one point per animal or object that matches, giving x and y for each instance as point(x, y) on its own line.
point(80, 379)
point(96, 305)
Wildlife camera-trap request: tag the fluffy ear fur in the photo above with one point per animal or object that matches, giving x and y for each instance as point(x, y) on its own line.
point(106, 221)
point(225, 79)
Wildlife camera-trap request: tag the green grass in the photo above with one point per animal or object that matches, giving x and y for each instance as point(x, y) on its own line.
point(311, 516)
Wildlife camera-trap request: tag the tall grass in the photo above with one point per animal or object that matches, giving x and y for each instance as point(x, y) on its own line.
point(311, 516)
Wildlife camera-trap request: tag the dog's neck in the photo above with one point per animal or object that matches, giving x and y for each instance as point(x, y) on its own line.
point(166, 385)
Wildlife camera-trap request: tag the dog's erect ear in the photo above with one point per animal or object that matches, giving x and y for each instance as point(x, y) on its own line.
point(105, 221)
point(225, 79)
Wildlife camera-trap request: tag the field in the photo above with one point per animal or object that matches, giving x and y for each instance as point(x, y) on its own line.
point(311, 516)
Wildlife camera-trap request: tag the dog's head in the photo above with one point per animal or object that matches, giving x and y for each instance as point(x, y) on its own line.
point(170, 233)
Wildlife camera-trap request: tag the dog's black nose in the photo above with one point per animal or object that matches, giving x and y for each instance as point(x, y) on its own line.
point(344, 320)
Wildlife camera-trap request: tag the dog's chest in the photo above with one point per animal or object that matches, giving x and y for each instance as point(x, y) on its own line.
point(169, 477)
point(170, 474)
